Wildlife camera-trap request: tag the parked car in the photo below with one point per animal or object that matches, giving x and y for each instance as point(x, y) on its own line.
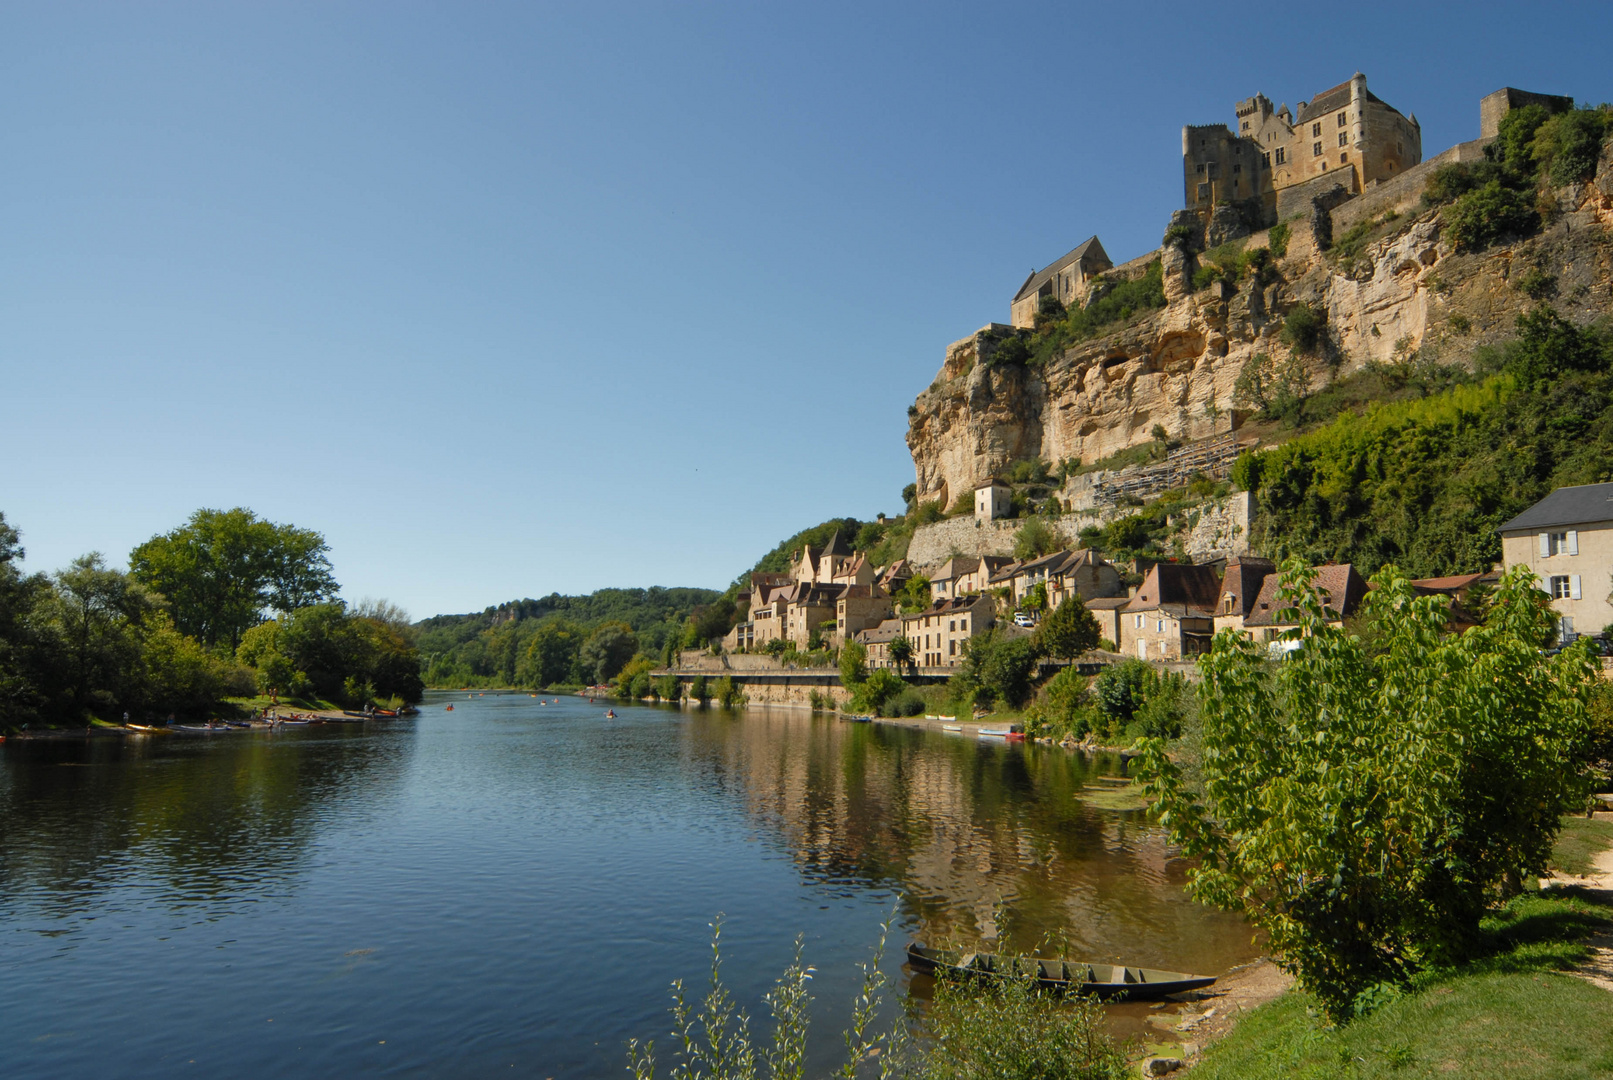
point(1022, 618)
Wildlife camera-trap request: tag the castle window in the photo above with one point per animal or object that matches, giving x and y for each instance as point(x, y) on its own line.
point(1265, 159)
point(1246, 125)
point(1237, 169)
point(1344, 159)
point(1201, 170)
point(1282, 154)
point(1316, 129)
point(1341, 119)
point(1316, 150)
point(1344, 138)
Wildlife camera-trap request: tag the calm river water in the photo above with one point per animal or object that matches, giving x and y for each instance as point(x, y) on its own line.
point(509, 888)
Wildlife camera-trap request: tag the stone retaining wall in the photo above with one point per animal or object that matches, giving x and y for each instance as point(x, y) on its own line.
point(1403, 192)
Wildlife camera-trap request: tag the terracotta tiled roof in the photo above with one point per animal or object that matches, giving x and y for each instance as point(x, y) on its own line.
point(1243, 580)
point(1341, 588)
point(1445, 584)
point(1178, 589)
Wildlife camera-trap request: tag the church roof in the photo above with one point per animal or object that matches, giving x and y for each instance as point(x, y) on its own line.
point(1040, 277)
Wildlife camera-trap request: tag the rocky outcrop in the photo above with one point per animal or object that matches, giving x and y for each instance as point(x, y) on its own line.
point(1176, 367)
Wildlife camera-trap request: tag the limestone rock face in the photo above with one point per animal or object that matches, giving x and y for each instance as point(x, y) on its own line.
point(1176, 366)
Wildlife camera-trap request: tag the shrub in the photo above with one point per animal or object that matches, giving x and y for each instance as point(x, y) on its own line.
point(872, 693)
point(699, 690)
point(1009, 1031)
point(1537, 284)
point(906, 703)
point(1069, 631)
point(668, 688)
point(1121, 689)
point(729, 694)
point(853, 664)
point(1010, 352)
point(1035, 538)
point(1568, 145)
point(1277, 238)
point(1363, 806)
point(1487, 214)
point(1304, 328)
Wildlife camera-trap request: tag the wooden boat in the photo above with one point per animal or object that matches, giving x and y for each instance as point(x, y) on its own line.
point(1109, 981)
point(145, 729)
point(994, 733)
point(951, 727)
point(858, 719)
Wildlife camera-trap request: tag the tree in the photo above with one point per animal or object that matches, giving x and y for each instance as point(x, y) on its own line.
point(1035, 598)
point(607, 651)
point(24, 686)
point(853, 664)
point(915, 595)
point(1069, 631)
point(1364, 805)
point(1121, 689)
point(100, 612)
point(224, 569)
point(901, 650)
point(551, 654)
point(1035, 538)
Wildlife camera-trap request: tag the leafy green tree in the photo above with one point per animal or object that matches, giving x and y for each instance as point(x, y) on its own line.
point(1363, 807)
point(25, 686)
point(729, 693)
point(223, 569)
point(901, 651)
point(996, 667)
point(1121, 689)
point(1069, 631)
point(853, 664)
point(699, 690)
point(915, 595)
point(101, 613)
point(708, 624)
point(881, 686)
point(1034, 539)
point(551, 654)
point(607, 651)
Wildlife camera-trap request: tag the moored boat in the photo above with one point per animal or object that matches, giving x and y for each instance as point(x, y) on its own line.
point(1110, 981)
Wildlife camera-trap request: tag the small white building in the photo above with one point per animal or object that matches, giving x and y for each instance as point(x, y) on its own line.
point(1567, 540)
point(991, 499)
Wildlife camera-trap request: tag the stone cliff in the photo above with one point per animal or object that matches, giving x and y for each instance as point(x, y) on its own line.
point(1176, 366)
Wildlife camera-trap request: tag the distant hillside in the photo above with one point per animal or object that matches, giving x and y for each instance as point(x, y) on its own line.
point(494, 647)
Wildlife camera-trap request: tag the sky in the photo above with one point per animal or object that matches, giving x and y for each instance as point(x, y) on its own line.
point(511, 299)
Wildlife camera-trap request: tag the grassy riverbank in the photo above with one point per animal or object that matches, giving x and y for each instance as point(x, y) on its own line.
point(1513, 1013)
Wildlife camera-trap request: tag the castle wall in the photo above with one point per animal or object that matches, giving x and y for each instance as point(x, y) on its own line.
point(1295, 201)
point(1492, 107)
point(1403, 192)
point(1220, 167)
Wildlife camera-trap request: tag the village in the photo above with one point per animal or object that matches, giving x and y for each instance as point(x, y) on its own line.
point(922, 624)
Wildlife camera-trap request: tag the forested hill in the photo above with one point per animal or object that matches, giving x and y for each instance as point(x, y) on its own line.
point(495, 646)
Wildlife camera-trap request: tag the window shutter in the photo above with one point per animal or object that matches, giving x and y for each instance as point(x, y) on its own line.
point(1573, 586)
point(1545, 545)
point(1573, 542)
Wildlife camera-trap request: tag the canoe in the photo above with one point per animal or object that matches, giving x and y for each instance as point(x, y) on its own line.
point(858, 719)
point(951, 727)
point(145, 729)
point(995, 733)
point(1109, 981)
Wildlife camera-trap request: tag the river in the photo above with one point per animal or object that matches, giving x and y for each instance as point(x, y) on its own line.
point(510, 887)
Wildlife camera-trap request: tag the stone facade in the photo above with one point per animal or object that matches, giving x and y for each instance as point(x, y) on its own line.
point(940, 633)
point(1492, 107)
point(1345, 133)
point(1065, 279)
point(1567, 540)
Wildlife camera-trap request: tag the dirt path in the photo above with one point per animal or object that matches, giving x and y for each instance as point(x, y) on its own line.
point(1598, 968)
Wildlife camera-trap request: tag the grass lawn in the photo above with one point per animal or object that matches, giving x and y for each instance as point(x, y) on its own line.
point(1580, 839)
point(1510, 1014)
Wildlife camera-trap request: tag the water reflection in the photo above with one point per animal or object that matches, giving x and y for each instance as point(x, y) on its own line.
point(515, 885)
point(968, 830)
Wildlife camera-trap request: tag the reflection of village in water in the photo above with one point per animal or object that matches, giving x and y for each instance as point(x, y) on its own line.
point(966, 829)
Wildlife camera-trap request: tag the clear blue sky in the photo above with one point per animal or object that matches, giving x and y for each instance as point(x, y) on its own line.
point(513, 298)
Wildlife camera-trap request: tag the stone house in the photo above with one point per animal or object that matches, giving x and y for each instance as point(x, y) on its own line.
point(1062, 574)
point(768, 607)
point(1240, 586)
point(1107, 611)
point(941, 632)
point(859, 608)
point(946, 582)
point(894, 577)
point(1341, 589)
point(1463, 613)
point(834, 561)
point(1065, 278)
point(993, 499)
point(877, 641)
point(1345, 133)
point(1567, 540)
point(808, 606)
point(1172, 617)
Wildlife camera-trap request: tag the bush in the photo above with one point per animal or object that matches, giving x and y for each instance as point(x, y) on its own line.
point(1009, 1031)
point(1568, 145)
point(1487, 214)
point(1035, 538)
point(699, 689)
point(729, 694)
point(907, 703)
point(1068, 631)
point(872, 693)
point(1121, 689)
point(1277, 238)
point(853, 664)
point(1451, 757)
point(1304, 328)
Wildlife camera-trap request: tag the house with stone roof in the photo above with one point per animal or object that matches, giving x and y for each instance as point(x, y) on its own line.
point(1064, 279)
point(1567, 540)
point(1172, 617)
point(940, 634)
point(1240, 586)
point(1340, 587)
point(876, 641)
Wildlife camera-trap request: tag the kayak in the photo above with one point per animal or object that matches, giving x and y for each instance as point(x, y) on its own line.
point(1111, 981)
